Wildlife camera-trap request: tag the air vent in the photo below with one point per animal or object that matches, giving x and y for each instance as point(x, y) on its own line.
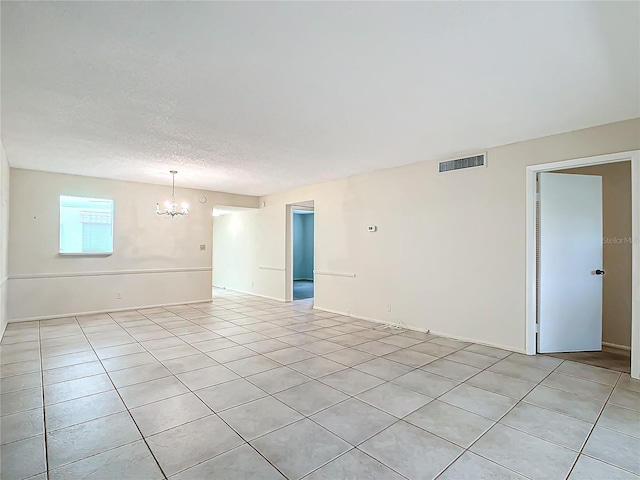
point(460, 163)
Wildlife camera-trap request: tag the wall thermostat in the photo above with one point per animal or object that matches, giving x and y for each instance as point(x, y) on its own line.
point(372, 228)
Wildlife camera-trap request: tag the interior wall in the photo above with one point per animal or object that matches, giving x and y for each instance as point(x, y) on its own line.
point(240, 249)
point(616, 249)
point(303, 246)
point(449, 252)
point(4, 237)
point(234, 253)
point(156, 260)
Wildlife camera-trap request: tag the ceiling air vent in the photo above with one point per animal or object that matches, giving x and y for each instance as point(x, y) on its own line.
point(460, 163)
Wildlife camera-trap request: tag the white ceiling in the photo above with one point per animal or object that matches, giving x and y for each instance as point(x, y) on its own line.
point(256, 98)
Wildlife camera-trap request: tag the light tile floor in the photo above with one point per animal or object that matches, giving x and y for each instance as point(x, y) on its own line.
point(244, 388)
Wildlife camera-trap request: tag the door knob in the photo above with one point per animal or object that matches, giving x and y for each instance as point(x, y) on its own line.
point(599, 272)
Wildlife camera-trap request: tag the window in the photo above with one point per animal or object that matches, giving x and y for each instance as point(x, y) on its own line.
point(86, 225)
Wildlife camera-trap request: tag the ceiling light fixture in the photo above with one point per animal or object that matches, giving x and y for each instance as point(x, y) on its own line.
point(171, 206)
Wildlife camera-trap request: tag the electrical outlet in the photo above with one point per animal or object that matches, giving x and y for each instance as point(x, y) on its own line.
point(203, 247)
point(388, 307)
point(252, 284)
point(118, 295)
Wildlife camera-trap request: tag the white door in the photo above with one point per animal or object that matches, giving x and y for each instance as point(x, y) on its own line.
point(570, 275)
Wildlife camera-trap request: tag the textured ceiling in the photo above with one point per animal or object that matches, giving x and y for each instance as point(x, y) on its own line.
point(256, 98)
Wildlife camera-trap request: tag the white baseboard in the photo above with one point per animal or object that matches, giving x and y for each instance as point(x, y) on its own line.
point(331, 311)
point(249, 293)
point(479, 342)
point(616, 346)
point(78, 314)
point(422, 330)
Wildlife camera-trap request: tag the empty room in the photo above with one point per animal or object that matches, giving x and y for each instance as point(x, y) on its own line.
point(319, 240)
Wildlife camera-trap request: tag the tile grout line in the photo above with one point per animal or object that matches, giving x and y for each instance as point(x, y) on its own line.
point(223, 420)
point(601, 410)
point(188, 388)
point(496, 422)
point(125, 406)
point(85, 396)
point(44, 409)
point(580, 451)
point(312, 379)
point(398, 420)
point(349, 396)
point(247, 442)
point(584, 444)
point(517, 402)
point(213, 413)
point(346, 453)
point(276, 399)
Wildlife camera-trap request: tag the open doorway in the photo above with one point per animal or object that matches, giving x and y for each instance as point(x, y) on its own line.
point(303, 248)
point(584, 265)
point(582, 313)
point(301, 251)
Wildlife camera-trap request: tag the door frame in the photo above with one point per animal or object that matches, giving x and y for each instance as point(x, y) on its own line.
point(530, 267)
point(288, 262)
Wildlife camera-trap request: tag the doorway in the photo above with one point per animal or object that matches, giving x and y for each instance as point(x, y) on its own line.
point(303, 223)
point(586, 242)
point(533, 308)
point(301, 251)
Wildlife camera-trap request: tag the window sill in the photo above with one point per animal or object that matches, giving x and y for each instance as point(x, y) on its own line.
point(86, 254)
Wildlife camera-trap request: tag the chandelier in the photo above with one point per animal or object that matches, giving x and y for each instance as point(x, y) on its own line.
point(171, 206)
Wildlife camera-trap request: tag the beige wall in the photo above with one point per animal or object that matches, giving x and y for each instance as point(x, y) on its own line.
point(449, 253)
point(616, 288)
point(4, 237)
point(156, 260)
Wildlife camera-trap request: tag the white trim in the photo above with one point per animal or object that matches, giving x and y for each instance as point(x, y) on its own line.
point(277, 269)
point(249, 293)
point(530, 266)
point(110, 272)
point(586, 161)
point(288, 253)
point(288, 244)
point(2, 282)
point(348, 314)
point(85, 254)
point(471, 340)
point(110, 310)
point(422, 330)
point(635, 269)
point(616, 346)
point(335, 274)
